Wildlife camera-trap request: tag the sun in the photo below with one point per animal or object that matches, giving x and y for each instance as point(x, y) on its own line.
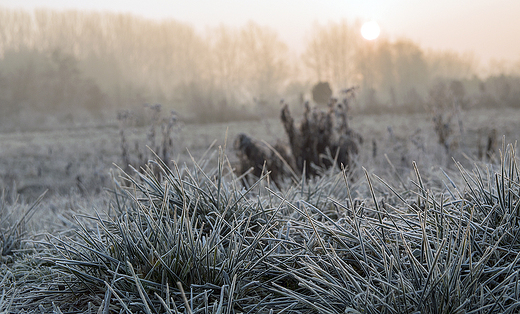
point(370, 30)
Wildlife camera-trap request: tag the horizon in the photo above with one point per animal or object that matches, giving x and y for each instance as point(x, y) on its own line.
point(477, 27)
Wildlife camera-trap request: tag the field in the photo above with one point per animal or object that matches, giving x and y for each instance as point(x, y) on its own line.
point(152, 166)
point(431, 239)
point(79, 161)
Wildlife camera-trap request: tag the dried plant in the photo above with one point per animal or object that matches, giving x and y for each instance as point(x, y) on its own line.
point(320, 140)
point(162, 137)
point(446, 103)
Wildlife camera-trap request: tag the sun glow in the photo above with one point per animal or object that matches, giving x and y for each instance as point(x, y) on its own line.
point(370, 30)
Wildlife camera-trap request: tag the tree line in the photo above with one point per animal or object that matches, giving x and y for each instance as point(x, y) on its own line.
point(65, 62)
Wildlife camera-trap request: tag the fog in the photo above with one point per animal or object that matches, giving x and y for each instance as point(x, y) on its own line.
point(70, 68)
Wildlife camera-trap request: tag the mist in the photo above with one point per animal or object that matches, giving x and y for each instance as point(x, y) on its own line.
point(73, 68)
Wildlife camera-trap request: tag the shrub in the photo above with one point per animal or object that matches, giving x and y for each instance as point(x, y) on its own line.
point(321, 93)
point(321, 139)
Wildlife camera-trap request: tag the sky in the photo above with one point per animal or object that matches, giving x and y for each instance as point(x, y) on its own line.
point(488, 28)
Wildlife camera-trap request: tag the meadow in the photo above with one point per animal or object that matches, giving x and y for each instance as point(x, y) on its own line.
point(111, 203)
point(79, 160)
point(412, 227)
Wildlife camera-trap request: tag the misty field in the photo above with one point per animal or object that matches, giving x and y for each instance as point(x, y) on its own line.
point(414, 232)
point(146, 167)
point(79, 160)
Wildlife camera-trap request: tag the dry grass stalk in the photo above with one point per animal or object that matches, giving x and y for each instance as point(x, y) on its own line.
point(163, 147)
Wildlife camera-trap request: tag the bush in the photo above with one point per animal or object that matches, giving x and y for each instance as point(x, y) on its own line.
point(321, 93)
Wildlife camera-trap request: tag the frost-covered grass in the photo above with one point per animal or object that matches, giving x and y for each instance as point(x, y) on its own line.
point(192, 240)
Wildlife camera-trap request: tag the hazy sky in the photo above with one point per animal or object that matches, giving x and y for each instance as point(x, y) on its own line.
point(489, 28)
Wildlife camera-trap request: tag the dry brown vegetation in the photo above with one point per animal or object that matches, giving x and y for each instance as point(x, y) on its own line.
point(321, 139)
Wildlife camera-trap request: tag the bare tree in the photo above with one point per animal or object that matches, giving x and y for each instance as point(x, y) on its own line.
point(227, 61)
point(330, 53)
point(265, 60)
point(450, 64)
